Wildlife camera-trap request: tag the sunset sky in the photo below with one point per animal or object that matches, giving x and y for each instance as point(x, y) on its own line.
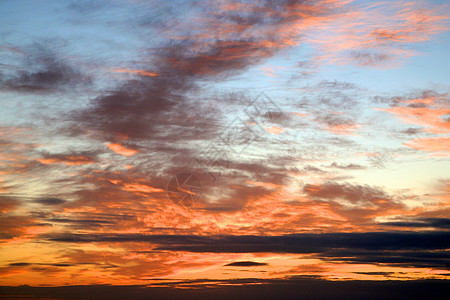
point(187, 144)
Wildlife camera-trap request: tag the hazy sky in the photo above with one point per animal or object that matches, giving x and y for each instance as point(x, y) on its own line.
point(149, 142)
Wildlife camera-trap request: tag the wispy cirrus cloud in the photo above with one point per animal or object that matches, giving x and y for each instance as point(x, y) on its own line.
point(358, 36)
point(429, 110)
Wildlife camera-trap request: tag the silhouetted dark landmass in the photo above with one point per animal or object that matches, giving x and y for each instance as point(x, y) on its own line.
point(270, 289)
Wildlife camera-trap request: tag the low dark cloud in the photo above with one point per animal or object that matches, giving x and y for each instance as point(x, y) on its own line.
point(437, 258)
point(296, 243)
point(421, 249)
point(27, 264)
point(438, 223)
point(85, 222)
point(386, 274)
point(245, 264)
point(50, 201)
point(20, 264)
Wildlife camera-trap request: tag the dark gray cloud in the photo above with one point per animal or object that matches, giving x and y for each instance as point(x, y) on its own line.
point(50, 201)
point(411, 131)
point(439, 223)
point(437, 258)
point(20, 264)
point(346, 167)
point(27, 264)
point(42, 70)
point(86, 222)
point(421, 249)
point(245, 264)
point(335, 120)
point(350, 192)
point(295, 242)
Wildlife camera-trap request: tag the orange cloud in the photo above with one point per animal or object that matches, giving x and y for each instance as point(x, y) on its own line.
point(429, 118)
point(438, 144)
point(7, 205)
point(134, 187)
point(274, 129)
point(119, 149)
point(138, 72)
point(73, 160)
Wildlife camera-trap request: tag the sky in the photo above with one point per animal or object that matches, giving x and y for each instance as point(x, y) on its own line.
point(189, 144)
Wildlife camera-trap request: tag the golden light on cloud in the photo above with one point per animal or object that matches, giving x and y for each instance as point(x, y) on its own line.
point(119, 149)
point(138, 72)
